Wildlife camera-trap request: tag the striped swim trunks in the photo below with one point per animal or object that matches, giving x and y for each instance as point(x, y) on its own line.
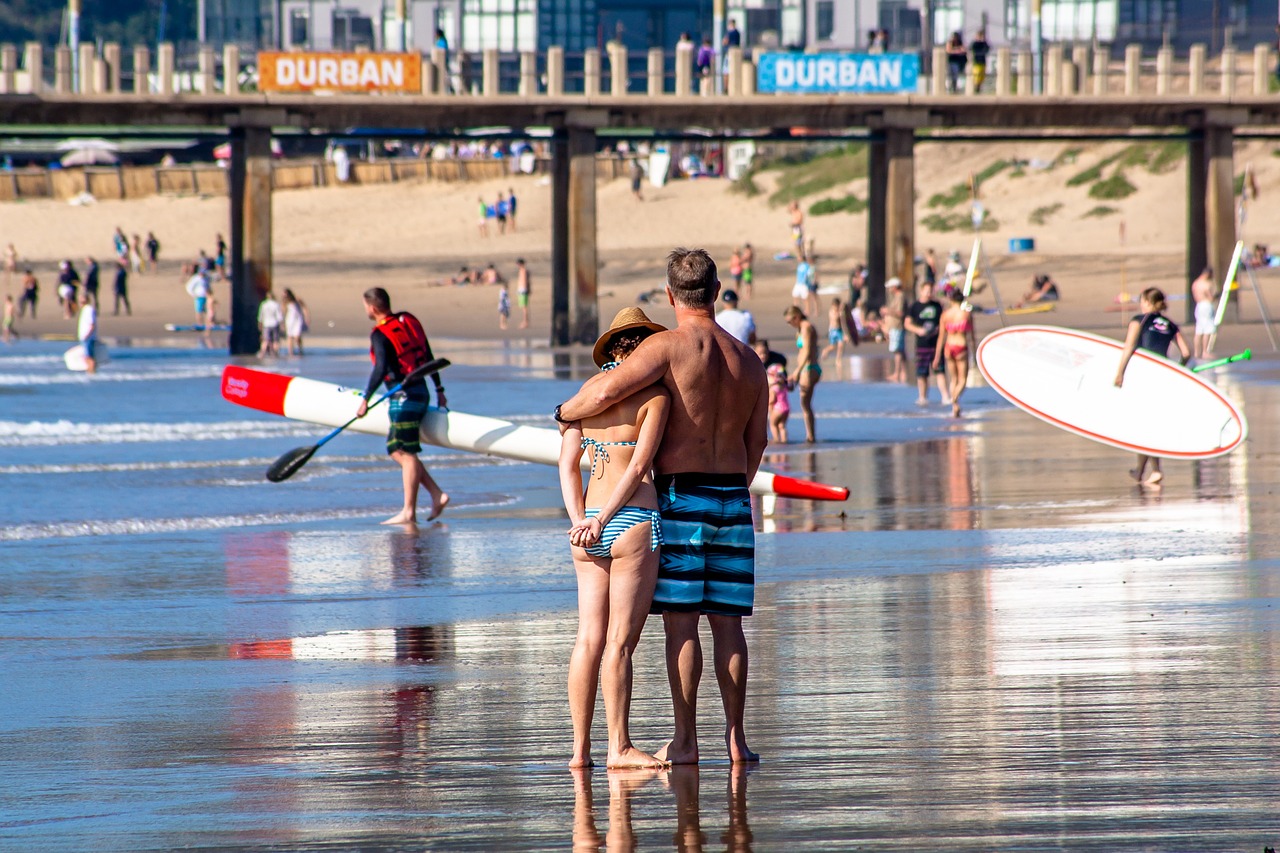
point(406, 423)
point(708, 545)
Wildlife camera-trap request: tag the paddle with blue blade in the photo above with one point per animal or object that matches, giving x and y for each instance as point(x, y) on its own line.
point(288, 464)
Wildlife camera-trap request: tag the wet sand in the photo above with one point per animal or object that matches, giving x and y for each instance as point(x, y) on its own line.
point(998, 642)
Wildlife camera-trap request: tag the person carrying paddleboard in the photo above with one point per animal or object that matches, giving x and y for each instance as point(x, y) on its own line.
point(1153, 332)
point(398, 345)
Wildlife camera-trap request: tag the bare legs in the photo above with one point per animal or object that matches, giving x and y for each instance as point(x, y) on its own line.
point(684, 671)
point(613, 603)
point(959, 378)
point(415, 476)
point(806, 403)
point(1157, 475)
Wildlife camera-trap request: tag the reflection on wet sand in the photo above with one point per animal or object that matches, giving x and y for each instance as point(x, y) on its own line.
point(676, 791)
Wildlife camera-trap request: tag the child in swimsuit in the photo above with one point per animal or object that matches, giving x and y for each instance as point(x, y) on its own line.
point(615, 534)
point(779, 403)
point(958, 339)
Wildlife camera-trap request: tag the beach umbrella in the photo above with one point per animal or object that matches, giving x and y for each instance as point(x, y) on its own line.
point(89, 157)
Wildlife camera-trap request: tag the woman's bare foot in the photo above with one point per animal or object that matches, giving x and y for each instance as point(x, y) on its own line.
point(955, 410)
point(632, 758)
point(437, 506)
point(1155, 478)
point(580, 761)
point(669, 754)
point(402, 517)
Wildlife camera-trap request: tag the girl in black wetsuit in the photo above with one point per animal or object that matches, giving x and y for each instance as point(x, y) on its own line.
point(1153, 332)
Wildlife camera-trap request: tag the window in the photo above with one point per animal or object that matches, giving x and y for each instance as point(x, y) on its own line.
point(1147, 20)
point(1238, 17)
point(826, 20)
point(1015, 13)
point(299, 26)
point(507, 25)
point(948, 18)
point(1078, 20)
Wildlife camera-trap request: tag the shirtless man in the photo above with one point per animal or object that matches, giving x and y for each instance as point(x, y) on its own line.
point(1202, 293)
point(715, 436)
point(797, 226)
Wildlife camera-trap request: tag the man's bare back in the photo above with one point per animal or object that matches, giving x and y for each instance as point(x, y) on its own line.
point(717, 386)
point(711, 377)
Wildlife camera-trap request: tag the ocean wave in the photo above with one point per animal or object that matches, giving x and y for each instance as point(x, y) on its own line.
point(107, 374)
point(62, 432)
point(135, 526)
point(173, 465)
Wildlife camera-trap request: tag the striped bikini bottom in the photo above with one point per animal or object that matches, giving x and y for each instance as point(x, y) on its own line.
point(622, 521)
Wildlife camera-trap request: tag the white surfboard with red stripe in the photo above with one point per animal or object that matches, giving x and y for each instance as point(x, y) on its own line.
point(332, 405)
point(1067, 378)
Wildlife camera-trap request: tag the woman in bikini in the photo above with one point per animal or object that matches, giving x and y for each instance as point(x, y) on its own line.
point(958, 340)
point(615, 534)
point(808, 372)
point(1153, 332)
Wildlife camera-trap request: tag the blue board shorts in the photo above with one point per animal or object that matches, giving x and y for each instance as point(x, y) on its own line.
point(708, 545)
point(90, 347)
point(201, 303)
point(406, 424)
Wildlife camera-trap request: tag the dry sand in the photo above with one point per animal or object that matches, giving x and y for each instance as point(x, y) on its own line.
point(332, 243)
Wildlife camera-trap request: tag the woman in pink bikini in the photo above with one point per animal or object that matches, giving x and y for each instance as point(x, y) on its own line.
point(958, 340)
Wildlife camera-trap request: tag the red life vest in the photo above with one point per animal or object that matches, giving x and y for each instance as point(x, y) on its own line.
point(408, 340)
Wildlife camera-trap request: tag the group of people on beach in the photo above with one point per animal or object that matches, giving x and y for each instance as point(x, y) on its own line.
point(502, 212)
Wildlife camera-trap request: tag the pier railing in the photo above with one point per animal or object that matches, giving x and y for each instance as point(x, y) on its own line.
point(1065, 71)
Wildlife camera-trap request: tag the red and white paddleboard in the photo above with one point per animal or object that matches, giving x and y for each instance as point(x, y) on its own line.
point(333, 405)
point(1067, 378)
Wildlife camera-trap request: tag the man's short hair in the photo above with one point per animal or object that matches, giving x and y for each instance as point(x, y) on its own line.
point(378, 299)
point(691, 275)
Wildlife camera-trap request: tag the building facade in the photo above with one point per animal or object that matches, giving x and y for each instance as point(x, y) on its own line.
point(513, 26)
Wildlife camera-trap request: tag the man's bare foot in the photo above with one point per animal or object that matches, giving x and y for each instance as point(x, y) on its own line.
point(738, 751)
point(402, 517)
point(1155, 478)
point(922, 402)
point(438, 506)
point(671, 755)
point(632, 758)
point(580, 761)
point(955, 410)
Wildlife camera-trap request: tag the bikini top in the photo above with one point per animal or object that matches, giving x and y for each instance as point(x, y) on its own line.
point(956, 328)
point(598, 452)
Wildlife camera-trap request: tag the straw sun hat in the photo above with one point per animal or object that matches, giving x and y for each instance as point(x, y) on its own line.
point(625, 320)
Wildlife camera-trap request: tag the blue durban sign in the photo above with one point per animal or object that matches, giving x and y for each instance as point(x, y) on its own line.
point(837, 73)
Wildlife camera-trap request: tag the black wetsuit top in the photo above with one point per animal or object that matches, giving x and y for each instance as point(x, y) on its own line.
point(1158, 331)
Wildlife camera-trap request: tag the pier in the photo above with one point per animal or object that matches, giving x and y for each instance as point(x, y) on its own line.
point(1083, 95)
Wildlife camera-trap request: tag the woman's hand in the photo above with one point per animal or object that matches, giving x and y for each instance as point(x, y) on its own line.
point(1119, 380)
point(586, 534)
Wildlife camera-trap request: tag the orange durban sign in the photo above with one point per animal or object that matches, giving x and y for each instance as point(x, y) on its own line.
point(340, 72)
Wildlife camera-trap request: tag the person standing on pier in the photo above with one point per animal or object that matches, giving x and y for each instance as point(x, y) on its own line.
point(957, 58)
point(714, 439)
point(398, 345)
point(979, 49)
